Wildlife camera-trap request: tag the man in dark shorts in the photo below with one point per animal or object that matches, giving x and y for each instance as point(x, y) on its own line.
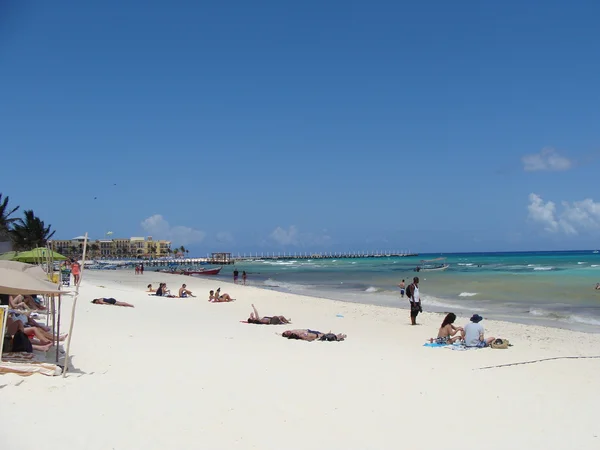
point(235, 275)
point(412, 292)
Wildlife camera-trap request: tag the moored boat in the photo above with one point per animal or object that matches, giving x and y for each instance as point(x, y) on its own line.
point(432, 265)
point(214, 271)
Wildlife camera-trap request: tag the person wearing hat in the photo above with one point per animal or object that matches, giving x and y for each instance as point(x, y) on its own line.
point(474, 333)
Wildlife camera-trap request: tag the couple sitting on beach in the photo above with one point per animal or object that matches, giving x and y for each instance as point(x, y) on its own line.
point(217, 297)
point(473, 333)
point(162, 291)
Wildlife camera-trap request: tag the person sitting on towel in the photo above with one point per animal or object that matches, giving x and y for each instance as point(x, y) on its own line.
point(274, 320)
point(183, 292)
point(473, 333)
point(311, 335)
point(447, 331)
point(111, 301)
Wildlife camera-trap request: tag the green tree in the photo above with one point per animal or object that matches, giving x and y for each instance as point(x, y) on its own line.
point(30, 232)
point(6, 222)
point(73, 250)
point(95, 248)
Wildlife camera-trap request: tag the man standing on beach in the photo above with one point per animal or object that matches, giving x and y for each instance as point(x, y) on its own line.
point(415, 300)
point(235, 276)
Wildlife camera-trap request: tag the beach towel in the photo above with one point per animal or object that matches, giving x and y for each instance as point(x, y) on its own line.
point(25, 364)
point(434, 344)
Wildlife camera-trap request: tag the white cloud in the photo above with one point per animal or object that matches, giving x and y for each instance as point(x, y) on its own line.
point(285, 237)
point(157, 227)
point(547, 159)
point(574, 218)
point(293, 237)
point(224, 237)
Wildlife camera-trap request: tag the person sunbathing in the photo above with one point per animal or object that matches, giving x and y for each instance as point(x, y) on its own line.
point(598, 286)
point(311, 335)
point(12, 326)
point(44, 337)
point(183, 292)
point(447, 332)
point(217, 297)
point(111, 301)
point(274, 320)
point(150, 288)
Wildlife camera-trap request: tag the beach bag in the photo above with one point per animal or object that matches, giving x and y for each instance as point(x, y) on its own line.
point(21, 343)
point(500, 344)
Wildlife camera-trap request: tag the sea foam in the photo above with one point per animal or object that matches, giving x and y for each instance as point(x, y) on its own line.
point(467, 294)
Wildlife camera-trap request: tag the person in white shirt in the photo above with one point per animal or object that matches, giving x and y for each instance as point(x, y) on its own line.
point(474, 333)
point(412, 292)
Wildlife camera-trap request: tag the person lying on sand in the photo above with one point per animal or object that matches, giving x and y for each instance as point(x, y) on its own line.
point(274, 320)
point(150, 288)
point(447, 331)
point(598, 286)
point(311, 335)
point(217, 297)
point(111, 301)
point(184, 292)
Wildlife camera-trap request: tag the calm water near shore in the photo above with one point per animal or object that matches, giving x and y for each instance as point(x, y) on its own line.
point(546, 288)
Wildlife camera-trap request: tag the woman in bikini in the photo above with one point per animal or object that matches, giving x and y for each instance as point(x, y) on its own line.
point(274, 320)
point(217, 297)
point(311, 335)
point(447, 332)
point(111, 301)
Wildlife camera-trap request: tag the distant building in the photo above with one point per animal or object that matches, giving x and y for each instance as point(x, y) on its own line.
point(133, 247)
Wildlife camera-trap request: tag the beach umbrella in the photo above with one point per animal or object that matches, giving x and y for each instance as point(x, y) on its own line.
point(34, 271)
point(38, 254)
point(15, 282)
point(8, 256)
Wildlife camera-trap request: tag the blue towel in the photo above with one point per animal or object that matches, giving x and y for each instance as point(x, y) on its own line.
point(434, 344)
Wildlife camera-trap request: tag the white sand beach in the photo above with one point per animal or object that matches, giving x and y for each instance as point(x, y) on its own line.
point(185, 373)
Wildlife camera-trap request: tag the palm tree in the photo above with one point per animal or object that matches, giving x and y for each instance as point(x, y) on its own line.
point(95, 248)
point(73, 250)
point(6, 221)
point(30, 232)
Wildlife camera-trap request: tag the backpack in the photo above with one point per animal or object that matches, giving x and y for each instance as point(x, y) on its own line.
point(21, 343)
point(408, 292)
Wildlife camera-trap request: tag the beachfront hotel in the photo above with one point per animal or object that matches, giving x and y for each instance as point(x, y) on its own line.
point(111, 248)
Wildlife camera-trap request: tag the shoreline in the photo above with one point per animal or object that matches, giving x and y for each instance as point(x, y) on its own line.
point(192, 375)
point(442, 305)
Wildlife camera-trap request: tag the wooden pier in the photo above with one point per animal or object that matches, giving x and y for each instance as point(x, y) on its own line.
point(327, 255)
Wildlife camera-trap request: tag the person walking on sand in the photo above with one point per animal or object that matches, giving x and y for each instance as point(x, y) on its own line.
point(244, 277)
point(235, 276)
point(414, 297)
point(402, 287)
point(142, 269)
point(76, 271)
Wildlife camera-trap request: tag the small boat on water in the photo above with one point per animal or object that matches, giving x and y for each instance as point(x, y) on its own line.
point(432, 265)
point(214, 271)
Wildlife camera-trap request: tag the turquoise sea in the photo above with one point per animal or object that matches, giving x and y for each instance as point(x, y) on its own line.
point(546, 288)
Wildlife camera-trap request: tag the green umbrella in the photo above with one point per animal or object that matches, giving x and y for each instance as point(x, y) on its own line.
point(8, 256)
point(36, 255)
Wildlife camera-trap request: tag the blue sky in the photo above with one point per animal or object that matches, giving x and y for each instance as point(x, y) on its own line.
point(266, 126)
